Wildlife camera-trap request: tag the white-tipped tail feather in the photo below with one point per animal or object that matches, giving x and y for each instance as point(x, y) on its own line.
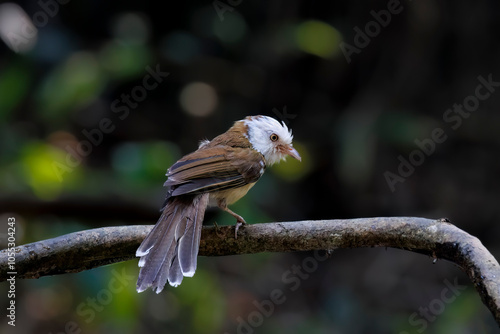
point(170, 250)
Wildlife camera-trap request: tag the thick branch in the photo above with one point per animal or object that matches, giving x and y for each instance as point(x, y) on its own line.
point(92, 248)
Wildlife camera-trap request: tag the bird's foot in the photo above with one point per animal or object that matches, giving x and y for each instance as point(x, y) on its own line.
point(239, 223)
point(239, 219)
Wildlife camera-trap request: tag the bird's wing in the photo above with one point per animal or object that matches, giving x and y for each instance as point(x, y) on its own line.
point(214, 169)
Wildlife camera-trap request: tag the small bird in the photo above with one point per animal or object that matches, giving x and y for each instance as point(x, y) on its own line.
point(219, 173)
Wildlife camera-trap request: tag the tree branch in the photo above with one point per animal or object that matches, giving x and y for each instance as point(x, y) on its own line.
point(437, 238)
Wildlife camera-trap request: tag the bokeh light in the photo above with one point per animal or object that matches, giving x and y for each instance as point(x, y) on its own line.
point(131, 28)
point(318, 38)
point(16, 28)
point(75, 83)
point(38, 164)
point(180, 47)
point(231, 30)
point(198, 99)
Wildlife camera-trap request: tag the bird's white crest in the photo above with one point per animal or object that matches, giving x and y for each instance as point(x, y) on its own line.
point(260, 130)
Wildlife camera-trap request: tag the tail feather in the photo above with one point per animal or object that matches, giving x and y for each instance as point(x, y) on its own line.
point(161, 265)
point(150, 240)
point(189, 244)
point(175, 275)
point(170, 251)
point(154, 260)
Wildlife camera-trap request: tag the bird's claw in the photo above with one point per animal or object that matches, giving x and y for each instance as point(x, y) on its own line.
point(239, 223)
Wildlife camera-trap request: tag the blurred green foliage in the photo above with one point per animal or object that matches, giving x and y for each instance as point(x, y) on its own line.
point(14, 85)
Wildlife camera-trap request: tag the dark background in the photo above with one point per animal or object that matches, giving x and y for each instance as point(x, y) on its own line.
point(354, 116)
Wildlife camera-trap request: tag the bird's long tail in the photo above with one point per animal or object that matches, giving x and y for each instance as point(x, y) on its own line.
point(170, 250)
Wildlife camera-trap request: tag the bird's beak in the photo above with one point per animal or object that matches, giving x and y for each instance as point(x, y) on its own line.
point(291, 151)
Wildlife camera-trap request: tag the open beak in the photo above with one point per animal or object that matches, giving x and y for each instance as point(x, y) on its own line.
point(291, 151)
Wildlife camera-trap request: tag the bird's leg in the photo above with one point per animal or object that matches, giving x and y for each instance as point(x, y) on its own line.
point(239, 219)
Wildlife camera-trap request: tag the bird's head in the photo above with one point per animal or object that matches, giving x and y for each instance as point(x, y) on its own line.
point(272, 139)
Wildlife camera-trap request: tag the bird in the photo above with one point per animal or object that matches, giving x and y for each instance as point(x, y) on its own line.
point(218, 173)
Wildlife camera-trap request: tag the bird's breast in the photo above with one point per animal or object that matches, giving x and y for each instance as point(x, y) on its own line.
point(230, 195)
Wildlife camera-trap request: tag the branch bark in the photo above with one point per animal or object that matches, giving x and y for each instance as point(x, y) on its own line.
point(437, 238)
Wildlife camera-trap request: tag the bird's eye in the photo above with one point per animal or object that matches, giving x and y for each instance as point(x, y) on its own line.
point(274, 137)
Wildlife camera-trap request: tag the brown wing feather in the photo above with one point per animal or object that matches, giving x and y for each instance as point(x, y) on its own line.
point(213, 169)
